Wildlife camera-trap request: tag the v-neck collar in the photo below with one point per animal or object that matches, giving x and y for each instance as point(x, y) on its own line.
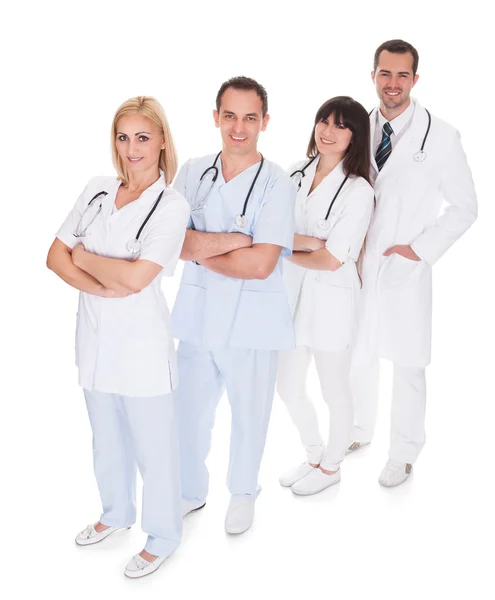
point(150, 194)
point(221, 179)
point(337, 173)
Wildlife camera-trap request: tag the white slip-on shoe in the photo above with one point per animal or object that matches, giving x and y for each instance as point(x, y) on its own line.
point(240, 514)
point(139, 567)
point(91, 536)
point(394, 473)
point(290, 477)
point(355, 446)
point(315, 482)
point(189, 507)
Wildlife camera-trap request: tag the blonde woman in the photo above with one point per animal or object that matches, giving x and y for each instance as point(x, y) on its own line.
point(123, 234)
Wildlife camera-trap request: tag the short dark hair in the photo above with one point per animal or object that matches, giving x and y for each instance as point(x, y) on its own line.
point(354, 116)
point(247, 84)
point(397, 47)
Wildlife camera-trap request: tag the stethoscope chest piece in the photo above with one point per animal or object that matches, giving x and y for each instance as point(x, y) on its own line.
point(134, 246)
point(241, 221)
point(323, 224)
point(420, 156)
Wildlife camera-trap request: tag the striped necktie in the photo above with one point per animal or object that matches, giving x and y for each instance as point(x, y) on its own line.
point(385, 147)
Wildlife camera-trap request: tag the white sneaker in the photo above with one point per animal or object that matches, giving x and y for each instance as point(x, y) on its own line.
point(188, 507)
point(240, 514)
point(139, 567)
point(290, 477)
point(91, 536)
point(394, 473)
point(315, 482)
point(355, 446)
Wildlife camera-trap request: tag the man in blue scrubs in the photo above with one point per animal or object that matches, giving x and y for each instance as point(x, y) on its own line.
point(231, 314)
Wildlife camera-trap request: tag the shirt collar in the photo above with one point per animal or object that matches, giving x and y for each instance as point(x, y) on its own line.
point(399, 122)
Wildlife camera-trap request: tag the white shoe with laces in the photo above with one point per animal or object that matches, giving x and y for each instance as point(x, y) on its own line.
point(90, 536)
point(315, 482)
point(394, 473)
point(292, 476)
point(139, 566)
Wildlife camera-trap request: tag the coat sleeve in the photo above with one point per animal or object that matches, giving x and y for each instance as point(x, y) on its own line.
point(460, 207)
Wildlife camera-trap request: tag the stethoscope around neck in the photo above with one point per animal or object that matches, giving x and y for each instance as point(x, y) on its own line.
point(420, 156)
point(323, 224)
point(241, 219)
point(133, 246)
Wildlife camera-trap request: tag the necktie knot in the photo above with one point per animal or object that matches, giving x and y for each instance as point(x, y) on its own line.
point(387, 128)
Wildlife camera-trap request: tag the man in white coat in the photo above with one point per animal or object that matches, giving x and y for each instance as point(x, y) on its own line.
point(425, 200)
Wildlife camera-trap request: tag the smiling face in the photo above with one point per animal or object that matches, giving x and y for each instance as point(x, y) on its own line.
point(394, 80)
point(139, 143)
point(240, 120)
point(332, 138)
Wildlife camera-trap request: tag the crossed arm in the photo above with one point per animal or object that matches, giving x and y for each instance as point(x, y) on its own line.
point(231, 254)
point(310, 253)
point(98, 275)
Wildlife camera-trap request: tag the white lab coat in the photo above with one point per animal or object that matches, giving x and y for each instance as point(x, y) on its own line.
point(323, 303)
point(396, 305)
point(124, 345)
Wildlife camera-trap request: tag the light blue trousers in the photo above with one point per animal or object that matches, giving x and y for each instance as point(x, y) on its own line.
point(249, 376)
point(129, 431)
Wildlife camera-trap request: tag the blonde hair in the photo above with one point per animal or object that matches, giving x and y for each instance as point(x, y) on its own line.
point(150, 108)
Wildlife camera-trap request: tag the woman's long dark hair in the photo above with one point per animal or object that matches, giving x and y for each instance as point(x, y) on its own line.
point(352, 115)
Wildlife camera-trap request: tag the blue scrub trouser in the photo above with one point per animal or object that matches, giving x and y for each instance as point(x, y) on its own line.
point(249, 376)
point(127, 431)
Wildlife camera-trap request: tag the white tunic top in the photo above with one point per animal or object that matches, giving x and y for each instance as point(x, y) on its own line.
point(323, 303)
point(214, 311)
point(124, 345)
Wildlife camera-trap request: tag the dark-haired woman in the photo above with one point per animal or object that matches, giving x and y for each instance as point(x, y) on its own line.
point(333, 211)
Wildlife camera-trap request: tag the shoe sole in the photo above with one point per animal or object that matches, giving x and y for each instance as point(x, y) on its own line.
point(387, 485)
point(317, 492)
point(145, 574)
point(101, 539)
point(194, 510)
point(356, 449)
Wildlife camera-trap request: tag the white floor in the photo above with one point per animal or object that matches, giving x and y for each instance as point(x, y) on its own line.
point(429, 538)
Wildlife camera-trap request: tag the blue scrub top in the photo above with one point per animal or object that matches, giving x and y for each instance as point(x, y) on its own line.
point(214, 311)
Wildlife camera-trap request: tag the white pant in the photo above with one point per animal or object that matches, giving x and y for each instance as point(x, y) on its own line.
point(249, 376)
point(407, 424)
point(333, 372)
point(127, 431)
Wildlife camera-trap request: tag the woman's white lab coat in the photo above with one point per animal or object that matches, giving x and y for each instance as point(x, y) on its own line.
point(323, 303)
point(124, 345)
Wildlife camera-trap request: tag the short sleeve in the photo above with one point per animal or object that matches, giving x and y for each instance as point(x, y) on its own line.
point(163, 242)
point(66, 232)
point(276, 223)
point(347, 235)
point(180, 185)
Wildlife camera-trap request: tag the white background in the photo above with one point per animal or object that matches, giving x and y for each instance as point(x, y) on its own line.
point(65, 69)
